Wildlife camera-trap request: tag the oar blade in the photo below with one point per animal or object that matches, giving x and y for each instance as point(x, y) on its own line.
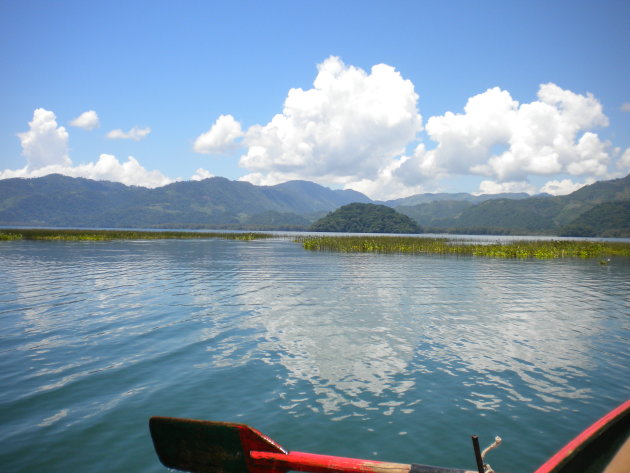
point(208, 447)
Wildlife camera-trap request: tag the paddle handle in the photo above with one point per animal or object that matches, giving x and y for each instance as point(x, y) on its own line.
point(313, 463)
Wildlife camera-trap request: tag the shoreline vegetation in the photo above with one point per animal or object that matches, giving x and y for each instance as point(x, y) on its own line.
point(104, 235)
point(516, 249)
point(540, 249)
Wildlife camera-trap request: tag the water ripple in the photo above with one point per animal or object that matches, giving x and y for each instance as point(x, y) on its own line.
point(97, 337)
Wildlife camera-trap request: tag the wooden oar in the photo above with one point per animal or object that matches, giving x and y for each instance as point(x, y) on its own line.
point(217, 447)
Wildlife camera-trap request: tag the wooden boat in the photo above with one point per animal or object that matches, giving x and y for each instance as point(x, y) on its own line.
point(218, 447)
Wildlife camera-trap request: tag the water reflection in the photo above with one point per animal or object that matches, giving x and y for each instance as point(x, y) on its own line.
point(516, 333)
point(356, 328)
point(352, 325)
point(330, 326)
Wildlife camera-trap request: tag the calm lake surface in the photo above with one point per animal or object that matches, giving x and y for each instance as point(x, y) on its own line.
point(396, 358)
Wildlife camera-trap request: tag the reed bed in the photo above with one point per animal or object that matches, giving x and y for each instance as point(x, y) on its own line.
point(514, 249)
point(101, 235)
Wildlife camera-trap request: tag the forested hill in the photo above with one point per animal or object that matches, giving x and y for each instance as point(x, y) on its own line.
point(365, 218)
point(61, 201)
point(57, 200)
point(600, 209)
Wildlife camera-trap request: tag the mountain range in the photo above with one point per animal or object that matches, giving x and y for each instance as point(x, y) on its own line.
point(600, 209)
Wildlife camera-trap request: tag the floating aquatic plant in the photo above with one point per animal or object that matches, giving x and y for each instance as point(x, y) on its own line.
point(542, 249)
point(96, 235)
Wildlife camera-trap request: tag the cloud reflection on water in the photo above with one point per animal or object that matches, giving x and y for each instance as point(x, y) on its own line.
point(362, 332)
point(355, 326)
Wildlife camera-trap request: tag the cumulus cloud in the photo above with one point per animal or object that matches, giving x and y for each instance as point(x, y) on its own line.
point(45, 143)
point(221, 138)
point(130, 172)
point(563, 187)
point(492, 187)
point(624, 162)
point(345, 128)
point(135, 134)
point(466, 140)
point(398, 177)
point(553, 187)
point(353, 128)
point(201, 174)
point(625, 107)
point(498, 137)
point(107, 168)
point(45, 146)
point(87, 120)
point(509, 142)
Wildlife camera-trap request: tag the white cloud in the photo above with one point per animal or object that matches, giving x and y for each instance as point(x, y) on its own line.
point(497, 137)
point(624, 161)
point(107, 168)
point(201, 174)
point(553, 187)
point(492, 187)
point(45, 143)
point(625, 107)
point(135, 134)
point(346, 128)
point(352, 129)
point(467, 140)
point(221, 138)
point(563, 187)
point(129, 172)
point(388, 185)
point(508, 142)
point(87, 120)
point(45, 147)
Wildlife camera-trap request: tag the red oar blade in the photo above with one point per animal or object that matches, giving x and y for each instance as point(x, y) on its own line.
point(202, 446)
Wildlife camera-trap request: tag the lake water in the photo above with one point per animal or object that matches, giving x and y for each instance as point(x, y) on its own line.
point(396, 358)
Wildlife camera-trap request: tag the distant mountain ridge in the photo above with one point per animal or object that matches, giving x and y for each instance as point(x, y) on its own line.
point(57, 200)
point(61, 201)
point(458, 196)
point(575, 214)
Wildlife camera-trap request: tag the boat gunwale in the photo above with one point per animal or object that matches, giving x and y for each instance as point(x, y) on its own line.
point(567, 452)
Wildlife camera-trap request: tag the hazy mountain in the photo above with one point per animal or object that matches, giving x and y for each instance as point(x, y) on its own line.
point(458, 196)
point(594, 210)
point(57, 200)
point(608, 219)
point(436, 213)
point(533, 215)
point(307, 197)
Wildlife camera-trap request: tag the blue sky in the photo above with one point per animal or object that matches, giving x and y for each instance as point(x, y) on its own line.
point(388, 98)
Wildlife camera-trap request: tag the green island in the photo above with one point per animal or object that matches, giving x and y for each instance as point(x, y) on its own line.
point(98, 235)
point(365, 218)
point(541, 249)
